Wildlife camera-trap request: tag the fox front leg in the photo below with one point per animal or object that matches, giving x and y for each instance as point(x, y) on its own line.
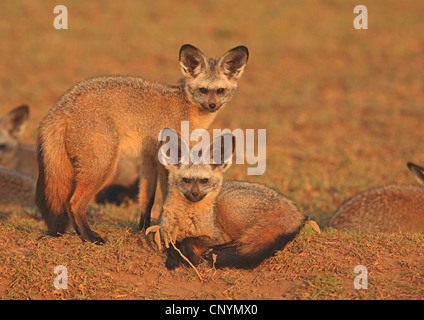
point(147, 189)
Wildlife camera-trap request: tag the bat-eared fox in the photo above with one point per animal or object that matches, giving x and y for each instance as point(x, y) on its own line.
point(388, 209)
point(232, 223)
point(102, 119)
point(13, 154)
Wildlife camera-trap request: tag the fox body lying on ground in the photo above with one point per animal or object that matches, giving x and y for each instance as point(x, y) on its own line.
point(16, 188)
point(14, 154)
point(241, 223)
point(389, 209)
point(102, 119)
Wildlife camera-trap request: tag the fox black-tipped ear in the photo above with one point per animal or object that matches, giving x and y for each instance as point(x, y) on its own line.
point(175, 151)
point(417, 170)
point(192, 61)
point(232, 63)
point(15, 121)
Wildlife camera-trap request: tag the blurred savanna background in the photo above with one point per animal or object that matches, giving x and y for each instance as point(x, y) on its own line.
point(342, 109)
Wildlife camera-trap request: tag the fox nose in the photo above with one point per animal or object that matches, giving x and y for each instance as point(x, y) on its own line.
point(212, 105)
point(194, 196)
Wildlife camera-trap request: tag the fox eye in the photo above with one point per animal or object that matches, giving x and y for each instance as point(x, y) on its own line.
point(2, 147)
point(220, 90)
point(204, 180)
point(203, 90)
point(186, 180)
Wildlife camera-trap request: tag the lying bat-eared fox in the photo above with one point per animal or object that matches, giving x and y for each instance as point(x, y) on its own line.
point(14, 154)
point(389, 209)
point(233, 223)
point(102, 119)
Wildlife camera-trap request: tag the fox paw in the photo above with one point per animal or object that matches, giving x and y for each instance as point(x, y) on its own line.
point(208, 254)
point(221, 255)
point(93, 237)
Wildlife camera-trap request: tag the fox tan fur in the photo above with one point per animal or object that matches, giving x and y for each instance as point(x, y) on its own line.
point(13, 154)
point(102, 119)
point(16, 188)
point(388, 209)
point(240, 223)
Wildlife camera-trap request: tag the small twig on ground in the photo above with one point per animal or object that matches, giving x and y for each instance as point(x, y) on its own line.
point(185, 258)
point(169, 238)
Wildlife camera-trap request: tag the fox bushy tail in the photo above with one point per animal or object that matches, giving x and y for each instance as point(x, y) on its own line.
point(54, 182)
point(256, 244)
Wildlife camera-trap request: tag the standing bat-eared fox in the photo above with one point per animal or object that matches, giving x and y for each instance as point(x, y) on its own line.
point(102, 119)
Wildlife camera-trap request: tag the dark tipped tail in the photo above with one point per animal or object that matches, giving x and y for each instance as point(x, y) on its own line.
point(246, 255)
point(54, 181)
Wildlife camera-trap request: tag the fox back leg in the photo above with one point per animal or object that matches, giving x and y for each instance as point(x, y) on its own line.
point(88, 181)
point(93, 165)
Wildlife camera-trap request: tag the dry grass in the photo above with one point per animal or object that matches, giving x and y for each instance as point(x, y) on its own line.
point(343, 111)
point(129, 266)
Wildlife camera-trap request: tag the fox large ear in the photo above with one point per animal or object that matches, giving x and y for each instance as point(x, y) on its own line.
point(232, 63)
point(221, 151)
point(15, 121)
point(417, 171)
point(173, 152)
point(192, 61)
